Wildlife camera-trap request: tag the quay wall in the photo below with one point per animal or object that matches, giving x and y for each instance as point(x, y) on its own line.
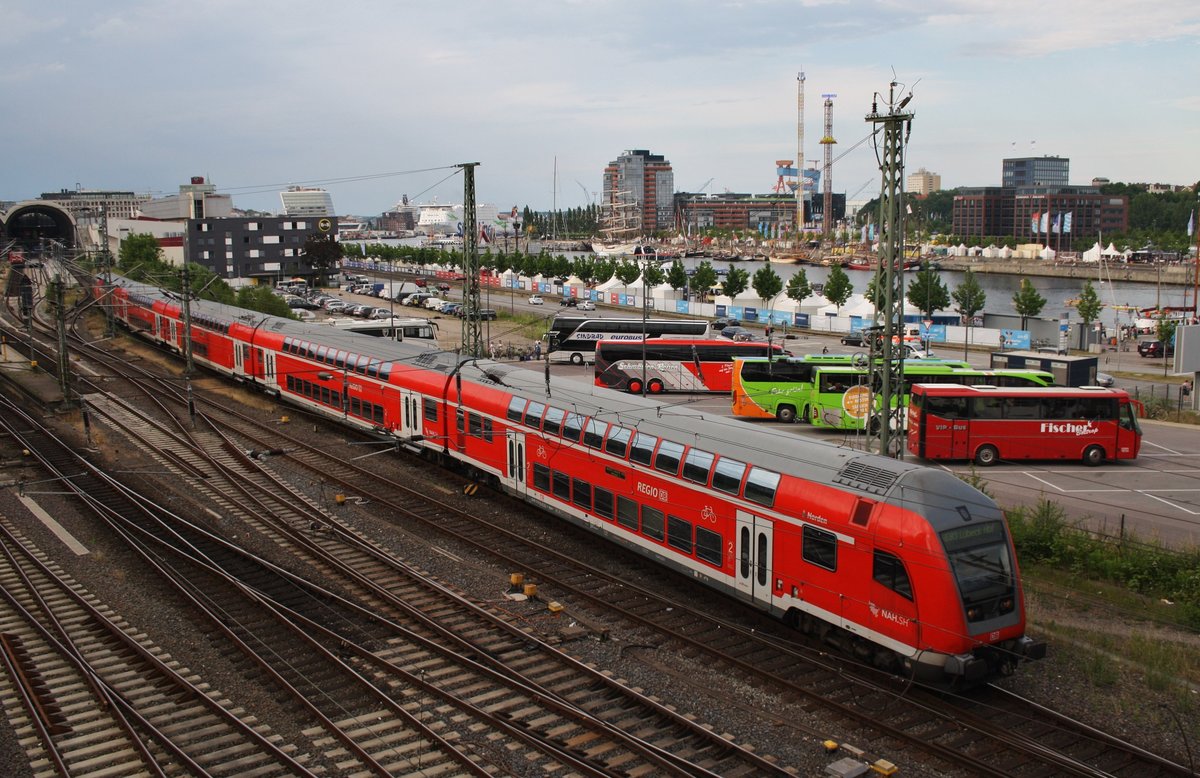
point(1176, 275)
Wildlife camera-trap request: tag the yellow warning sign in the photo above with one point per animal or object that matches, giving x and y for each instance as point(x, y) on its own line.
point(857, 401)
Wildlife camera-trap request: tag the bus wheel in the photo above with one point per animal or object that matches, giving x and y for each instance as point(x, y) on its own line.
point(654, 386)
point(1093, 456)
point(786, 414)
point(577, 358)
point(987, 456)
point(635, 386)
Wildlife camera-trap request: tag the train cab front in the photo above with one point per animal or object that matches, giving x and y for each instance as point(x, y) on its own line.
point(984, 569)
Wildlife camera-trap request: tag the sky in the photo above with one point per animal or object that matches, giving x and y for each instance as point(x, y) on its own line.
point(377, 100)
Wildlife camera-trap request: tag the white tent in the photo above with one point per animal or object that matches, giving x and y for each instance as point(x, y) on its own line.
point(1047, 253)
point(991, 252)
point(1111, 251)
point(1093, 254)
point(1005, 253)
point(974, 251)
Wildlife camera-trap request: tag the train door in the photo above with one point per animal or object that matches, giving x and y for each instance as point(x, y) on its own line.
point(173, 334)
point(755, 536)
point(410, 414)
point(514, 469)
point(239, 358)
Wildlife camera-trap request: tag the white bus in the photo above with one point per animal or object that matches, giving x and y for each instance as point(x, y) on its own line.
point(573, 338)
point(394, 328)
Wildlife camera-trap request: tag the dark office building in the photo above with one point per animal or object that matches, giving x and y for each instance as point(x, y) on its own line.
point(1035, 171)
point(262, 247)
point(770, 215)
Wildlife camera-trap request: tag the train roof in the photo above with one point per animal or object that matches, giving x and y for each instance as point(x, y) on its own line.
point(937, 495)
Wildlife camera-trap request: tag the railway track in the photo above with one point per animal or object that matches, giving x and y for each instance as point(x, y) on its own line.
point(92, 695)
point(569, 715)
point(765, 653)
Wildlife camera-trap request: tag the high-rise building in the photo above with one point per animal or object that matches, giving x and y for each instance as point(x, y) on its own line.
point(638, 195)
point(922, 182)
point(1035, 171)
point(306, 201)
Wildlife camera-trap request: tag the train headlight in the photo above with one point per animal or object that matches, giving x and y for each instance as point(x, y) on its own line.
point(1006, 605)
point(972, 614)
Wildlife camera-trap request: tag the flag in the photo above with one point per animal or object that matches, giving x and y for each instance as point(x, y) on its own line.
point(908, 208)
point(1044, 226)
point(363, 246)
point(1067, 221)
point(1191, 223)
point(1057, 223)
point(1034, 222)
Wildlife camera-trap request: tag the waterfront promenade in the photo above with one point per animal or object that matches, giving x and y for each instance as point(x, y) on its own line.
point(1172, 275)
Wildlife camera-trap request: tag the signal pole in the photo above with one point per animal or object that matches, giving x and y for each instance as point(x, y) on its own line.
point(888, 371)
point(472, 337)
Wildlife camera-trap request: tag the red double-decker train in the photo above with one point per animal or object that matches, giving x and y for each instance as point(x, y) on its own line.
point(905, 566)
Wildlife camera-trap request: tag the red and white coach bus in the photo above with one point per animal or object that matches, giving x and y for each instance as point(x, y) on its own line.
point(675, 364)
point(987, 423)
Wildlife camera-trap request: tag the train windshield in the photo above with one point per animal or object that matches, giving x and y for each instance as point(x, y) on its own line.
point(982, 563)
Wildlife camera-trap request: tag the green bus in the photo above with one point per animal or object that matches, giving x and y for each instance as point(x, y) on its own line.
point(782, 388)
point(846, 398)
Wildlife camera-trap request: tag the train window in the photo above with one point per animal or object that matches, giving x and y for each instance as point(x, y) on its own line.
point(652, 522)
point(593, 436)
point(541, 478)
point(429, 408)
point(708, 546)
point(668, 456)
point(618, 441)
point(627, 513)
point(355, 408)
point(459, 413)
point(761, 486)
point(889, 571)
point(321, 352)
point(377, 414)
point(562, 486)
point(572, 427)
point(603, 503)
point(698, 465)
point(326, 397)
point(762, 558)
point(581, 493)
point(820, 548)
point(744, 545)
point(516, 409)
point(679, 534)
point(554, 420)
point(642, 449)
point(487, 430)
point(727, 476)
point(533, 415)
point(475, 427)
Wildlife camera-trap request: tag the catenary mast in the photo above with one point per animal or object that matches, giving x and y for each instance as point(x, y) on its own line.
point(888, 369)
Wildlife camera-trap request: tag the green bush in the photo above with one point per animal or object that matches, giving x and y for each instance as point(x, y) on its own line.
point(1042, 534)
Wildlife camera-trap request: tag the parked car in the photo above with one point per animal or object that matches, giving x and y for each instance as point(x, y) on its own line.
point(417, 299)
point(1154, 348)
point(1105, 380)
point(536, 299)
point(486, 314)
point(435, 303)
point(736, 333)
point(586, 305)
point(443, 287)
point(380, 313)
point(852, 339)
point(570, 302)
point(452, 309)
point(726, 321)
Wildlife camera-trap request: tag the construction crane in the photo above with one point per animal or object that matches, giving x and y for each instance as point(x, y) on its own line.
point(591, 198)
point(705, 184)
